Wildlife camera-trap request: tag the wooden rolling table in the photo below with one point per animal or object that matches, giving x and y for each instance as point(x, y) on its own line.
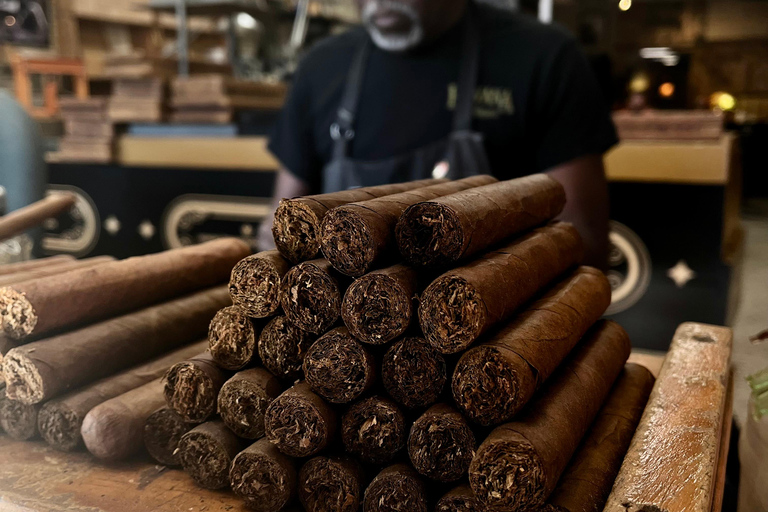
point(35, 477)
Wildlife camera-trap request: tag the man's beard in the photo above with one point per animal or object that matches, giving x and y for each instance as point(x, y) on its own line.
point(393, 42)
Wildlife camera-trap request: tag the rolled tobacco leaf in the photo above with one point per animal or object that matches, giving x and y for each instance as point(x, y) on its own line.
point(494, 380)
point(518, 465)
point(263, 477)
point(45, 369)
point(396, 488)
point(587, 481)
point(359, 236)
point(113, 430)
point(192, 387)
point(24, 266)
point(414, 373)
point(40, 306)
point(299, 423)
point(232, 338)
point(311, 296)
point(441, 444)
point(451, 228)
point(206, 453)
point(374, 430)
point(460, 499)
point(61, 419)
point(339, 368)
point(378, 307)
point(52, 270)
point(331, 484)
point(162, 432)
point(296, 228)
point(256, 282)
point(18, 420)
point(464, 303)
point(28, 217)
point(282, 348)
point(244, 399)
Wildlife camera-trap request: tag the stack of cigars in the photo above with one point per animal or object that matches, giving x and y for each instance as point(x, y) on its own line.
point(432, 345)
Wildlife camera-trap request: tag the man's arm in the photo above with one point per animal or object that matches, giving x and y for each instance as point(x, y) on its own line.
point(587, 207)
point(286, 186)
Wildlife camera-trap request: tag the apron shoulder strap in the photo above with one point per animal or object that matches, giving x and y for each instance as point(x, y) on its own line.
point(468, 72)
point(343, 130)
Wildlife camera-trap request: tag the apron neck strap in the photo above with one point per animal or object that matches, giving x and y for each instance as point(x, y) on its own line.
point(468, 72)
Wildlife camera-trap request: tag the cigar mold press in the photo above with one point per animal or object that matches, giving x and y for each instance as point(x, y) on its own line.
point(429, 346)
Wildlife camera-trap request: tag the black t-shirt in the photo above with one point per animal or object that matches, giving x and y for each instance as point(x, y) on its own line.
point(537, 101)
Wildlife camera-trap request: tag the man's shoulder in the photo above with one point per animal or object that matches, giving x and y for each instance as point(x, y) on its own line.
point(521, 31)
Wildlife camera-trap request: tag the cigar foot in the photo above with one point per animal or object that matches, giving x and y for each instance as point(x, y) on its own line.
point(376, 309)
point(163, 431)
point(23, 381)
point(295, 427)
point(328, 485)
point(296, 231)
point(60, 427)
point(232, 338)
point(374, 430)
point(18, 420)
point(452, 314)
point(396, 488)
point(282, 347)
point(255, 283)
point(190, 392)
point(430, 234)
point(441, 446)
point(205, 460)
point(347, 242)
point(266, 480)
point(414, 373)
point(508, 475)
point(17, 316)
point(338, 368)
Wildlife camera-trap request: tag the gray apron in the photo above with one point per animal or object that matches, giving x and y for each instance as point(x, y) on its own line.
point(462, 150)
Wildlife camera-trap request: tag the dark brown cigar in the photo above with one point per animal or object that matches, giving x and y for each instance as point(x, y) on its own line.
point(18, 420)
point(256, 282)
point(331, 484)
point(244, 399)
point(519, 463)
point(396, 488)
point(282, 347)
point(296, 228)
point(374, 430)
point(493, 381)
point(24, 266)
point(192, 387)
point(263, 477)
point(414, 373)
point(460, 499)
point(311, 296)
point(232, 338)
point(38, 307)
point(451, 228)
point(441, 444)
point(52, 270)
point(379, 307)
point(359, 236)
point(162, 432)
point(206, 453)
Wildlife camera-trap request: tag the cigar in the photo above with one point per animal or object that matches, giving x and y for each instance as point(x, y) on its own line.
point(441, 444)
point(282, 347)
point(460, 499)
point(192, 387)
point(256, 281)
point(397, 487)
point(519, 463)
point(18, 420)
point(244, 399)
point(587, 481)
point(358, 237)
point(162, 432)
point(263, 477)
point(451, 228)
point(52, 270)
point(493, 381)
point(464, 303)
point(232, 338)
point(61, 419)
point(299, 423)
point(113, 430)
point(339, 368)
point(24, 266)
point(45, 369)
point(331, 484)
point(311, 295)
point(378, 307)
point(206, 453)
point(374, 430)
point(38, 307)
point(28, 217)
point(413, 373)
point(296, 228)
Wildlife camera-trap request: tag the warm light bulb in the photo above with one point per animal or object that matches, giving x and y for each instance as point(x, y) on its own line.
point(624, 5)
point(667, 90)
point(639, 83)
point(246, 21)
point(722, 101)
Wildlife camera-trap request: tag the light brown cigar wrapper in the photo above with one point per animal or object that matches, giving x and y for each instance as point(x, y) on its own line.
point(28, 217)
point(45, 369)
point(255, 283)
point(24, 266)
point(52, 270)
point(451, 228)
point(518, 465)
point(671, 461)
point(43, 305)
point(192, 387)
point(464, 303)
point(60, 419)
point(18, 420)
point(296, 228)
point(587, 481)
point(358, 237)
point(493, 381)
point(113, 430)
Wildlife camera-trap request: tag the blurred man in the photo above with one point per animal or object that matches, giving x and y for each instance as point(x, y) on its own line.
point(436, 88)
